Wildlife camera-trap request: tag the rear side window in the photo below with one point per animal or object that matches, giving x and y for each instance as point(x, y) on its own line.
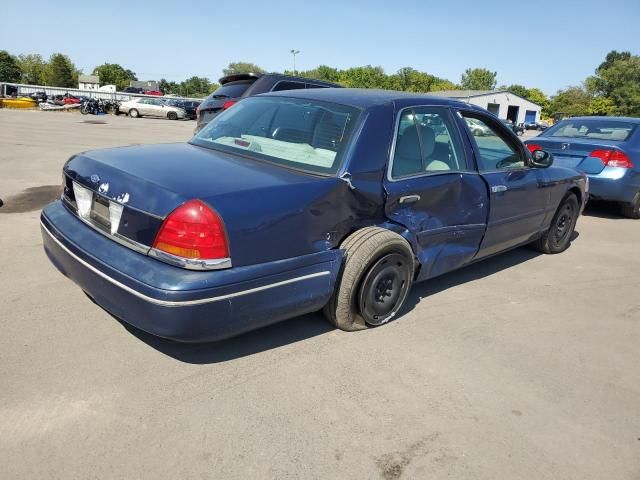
point(592, 128)
point(287, 85)
point(302, 134)
point(231, 90)
point(426, 143)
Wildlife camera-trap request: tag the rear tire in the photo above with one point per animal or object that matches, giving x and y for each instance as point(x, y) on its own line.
point(632, 210)
point(133, 113)
point(376, 278)
point(172, 115)
point(558, 237)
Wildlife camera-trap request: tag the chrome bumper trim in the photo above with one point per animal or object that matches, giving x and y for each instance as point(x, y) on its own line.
point(180, 303)
point(190, 263)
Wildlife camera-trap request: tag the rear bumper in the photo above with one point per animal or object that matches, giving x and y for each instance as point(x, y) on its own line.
point(179, 304)
point(614, 184)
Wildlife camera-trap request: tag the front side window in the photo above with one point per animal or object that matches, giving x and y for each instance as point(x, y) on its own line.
point(425, 143)
point(496, 153)
point(297, 133)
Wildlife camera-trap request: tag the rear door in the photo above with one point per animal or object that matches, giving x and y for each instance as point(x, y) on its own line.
point(434, 191)
point(519, 194)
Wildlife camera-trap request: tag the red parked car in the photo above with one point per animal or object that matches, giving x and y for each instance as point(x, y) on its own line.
point(154, 92)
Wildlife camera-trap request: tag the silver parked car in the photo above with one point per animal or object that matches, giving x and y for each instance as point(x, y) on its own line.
point(151, 107)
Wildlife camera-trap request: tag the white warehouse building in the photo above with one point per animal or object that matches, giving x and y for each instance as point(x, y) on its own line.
point(502, 103)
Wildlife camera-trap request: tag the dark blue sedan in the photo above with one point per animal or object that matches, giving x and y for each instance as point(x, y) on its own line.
point(292, 202)
point(607, 149)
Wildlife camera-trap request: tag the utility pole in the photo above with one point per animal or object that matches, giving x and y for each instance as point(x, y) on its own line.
point(294, 53)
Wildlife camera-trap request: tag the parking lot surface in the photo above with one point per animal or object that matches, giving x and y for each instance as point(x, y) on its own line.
point(524, 366)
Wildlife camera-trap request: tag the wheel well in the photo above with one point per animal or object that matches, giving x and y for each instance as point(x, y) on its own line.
point(577, 192)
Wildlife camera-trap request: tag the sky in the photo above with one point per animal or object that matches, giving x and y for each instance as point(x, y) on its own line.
point(536, 43)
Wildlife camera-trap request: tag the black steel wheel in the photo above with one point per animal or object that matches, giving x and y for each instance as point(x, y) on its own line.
point(384, 288)
point(558, 237)
point(172, 115)
point(377, 275)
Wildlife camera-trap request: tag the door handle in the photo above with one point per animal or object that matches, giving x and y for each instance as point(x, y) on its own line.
point(407, 199)
point(499, 188)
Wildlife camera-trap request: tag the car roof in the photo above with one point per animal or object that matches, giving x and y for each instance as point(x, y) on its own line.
point(614, 119)
point(367, 98)
point(238, 77)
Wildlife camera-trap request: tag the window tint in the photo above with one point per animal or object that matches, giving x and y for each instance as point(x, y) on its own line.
point(315, 85)
point(426, 143)
point(600, 129)
point(495, 152)
point(231, 90)
point(304, 134)
point(287, 85)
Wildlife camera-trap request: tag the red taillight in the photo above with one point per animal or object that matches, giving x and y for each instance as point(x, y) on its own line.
point(533, 147)
point(193, 230)
point(228, 103)
point(613, 158)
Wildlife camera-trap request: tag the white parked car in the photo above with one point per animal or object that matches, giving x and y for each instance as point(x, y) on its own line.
point(151, 107)
point(478, 129)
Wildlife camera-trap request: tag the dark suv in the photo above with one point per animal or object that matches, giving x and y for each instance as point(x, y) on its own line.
point(236, 87)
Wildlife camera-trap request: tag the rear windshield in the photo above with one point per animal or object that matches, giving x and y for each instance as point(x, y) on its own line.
point(598, 129)
point(302, 134)
point(232, 90)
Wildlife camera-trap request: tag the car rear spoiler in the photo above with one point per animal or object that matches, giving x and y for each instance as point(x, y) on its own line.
point(239, 76)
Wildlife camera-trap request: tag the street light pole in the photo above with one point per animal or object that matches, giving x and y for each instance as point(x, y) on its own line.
point(294, 53)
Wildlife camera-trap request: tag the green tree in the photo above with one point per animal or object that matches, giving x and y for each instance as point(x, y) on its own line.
point(364, 77)
point(601, 106)
point(61, 72)
point(478, 79)
point(164, 86)
point(571, 101)
point(411, 80)
point(538, 97)
point(620, 83)
point(322, 72)
point(613, 56)
point(519, 90)
point(114, 74)
point(195, 87)
point(33, 68)
point(442, 84)
point(9, 68)
point(241, 67)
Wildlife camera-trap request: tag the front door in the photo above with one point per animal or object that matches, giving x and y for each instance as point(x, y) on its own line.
point(434, 192)
point(518, 193)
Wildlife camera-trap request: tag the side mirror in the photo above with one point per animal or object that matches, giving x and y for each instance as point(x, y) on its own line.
point(542, 159)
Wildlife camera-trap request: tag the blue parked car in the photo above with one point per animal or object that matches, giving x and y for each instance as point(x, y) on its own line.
point(607, 149)
point(292, 202)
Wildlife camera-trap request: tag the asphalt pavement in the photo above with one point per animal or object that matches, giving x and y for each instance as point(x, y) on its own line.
point(524, 366)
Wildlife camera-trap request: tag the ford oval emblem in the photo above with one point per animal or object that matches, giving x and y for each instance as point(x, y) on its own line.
point(95, 178)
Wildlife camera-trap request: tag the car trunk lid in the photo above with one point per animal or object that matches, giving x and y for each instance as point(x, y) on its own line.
point(150, 181)
point(573, 153)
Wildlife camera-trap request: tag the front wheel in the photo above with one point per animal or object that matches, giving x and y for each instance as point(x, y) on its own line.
point(558, 238)
point(133, 113)
point(172, 115)
point(377, 276)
